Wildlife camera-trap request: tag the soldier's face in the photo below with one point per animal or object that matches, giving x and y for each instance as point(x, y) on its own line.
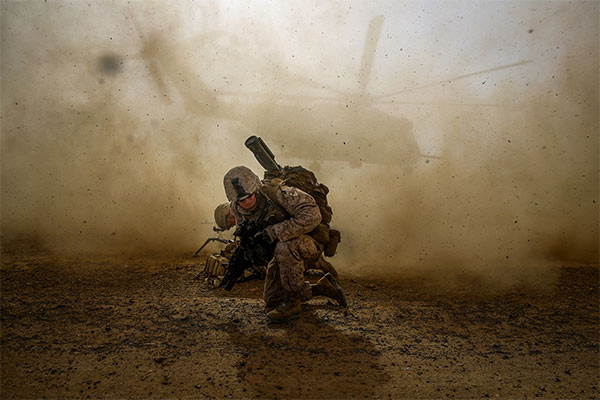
point(248, 203)
point(230, 220)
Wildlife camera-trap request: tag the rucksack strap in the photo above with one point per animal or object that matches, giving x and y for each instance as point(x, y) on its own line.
point(269, 189)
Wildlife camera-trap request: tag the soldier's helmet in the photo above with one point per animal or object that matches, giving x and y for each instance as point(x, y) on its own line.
point(222, 215)
point(240, 182)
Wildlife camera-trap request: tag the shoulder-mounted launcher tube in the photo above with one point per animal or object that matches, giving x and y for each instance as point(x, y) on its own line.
point(262, 153)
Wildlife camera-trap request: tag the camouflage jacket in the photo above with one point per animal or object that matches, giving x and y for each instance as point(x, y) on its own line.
point(296, 212)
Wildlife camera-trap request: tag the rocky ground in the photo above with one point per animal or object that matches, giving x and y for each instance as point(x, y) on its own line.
point(143, 327)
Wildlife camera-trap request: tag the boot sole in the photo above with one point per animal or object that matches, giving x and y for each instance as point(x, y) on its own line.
point(342, 299)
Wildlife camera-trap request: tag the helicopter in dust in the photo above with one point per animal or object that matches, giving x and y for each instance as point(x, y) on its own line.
point(347, 127)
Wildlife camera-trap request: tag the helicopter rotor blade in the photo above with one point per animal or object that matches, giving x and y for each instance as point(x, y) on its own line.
point(275, 96)
point(146, 54)
point(340, 100)
point(440, 104)
point(456, 78)
point(368, 55)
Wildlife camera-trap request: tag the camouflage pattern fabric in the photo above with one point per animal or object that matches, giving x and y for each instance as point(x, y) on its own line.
point(285, 272)
point(302, 208)
point(228, 251)
point(295, 250)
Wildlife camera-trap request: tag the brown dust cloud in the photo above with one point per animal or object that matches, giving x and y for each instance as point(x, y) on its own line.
point(456, 138)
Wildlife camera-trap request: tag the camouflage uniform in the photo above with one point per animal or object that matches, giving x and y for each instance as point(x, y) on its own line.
point(295, 251)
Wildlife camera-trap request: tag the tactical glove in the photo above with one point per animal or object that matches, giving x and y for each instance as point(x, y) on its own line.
point(267, 235)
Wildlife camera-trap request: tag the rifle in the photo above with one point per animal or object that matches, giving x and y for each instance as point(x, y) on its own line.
point(253, 250)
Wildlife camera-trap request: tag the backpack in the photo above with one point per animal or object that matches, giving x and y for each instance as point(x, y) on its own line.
point(305, 180)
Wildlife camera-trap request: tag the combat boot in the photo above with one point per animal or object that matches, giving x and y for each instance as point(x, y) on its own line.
point(288, 310)
point(325, 266)
point(328, 287)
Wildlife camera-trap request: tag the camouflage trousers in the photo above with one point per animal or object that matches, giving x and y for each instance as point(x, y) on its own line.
point(285, 272)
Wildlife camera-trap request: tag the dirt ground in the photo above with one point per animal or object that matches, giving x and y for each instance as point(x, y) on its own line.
point(143, 327)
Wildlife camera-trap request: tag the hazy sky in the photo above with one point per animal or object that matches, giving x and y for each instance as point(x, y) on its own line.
point(119, 119)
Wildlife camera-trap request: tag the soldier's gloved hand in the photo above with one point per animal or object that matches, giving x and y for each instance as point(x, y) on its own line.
point(267, 235)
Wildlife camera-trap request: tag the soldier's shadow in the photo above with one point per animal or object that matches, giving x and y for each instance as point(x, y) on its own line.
point(306, 358)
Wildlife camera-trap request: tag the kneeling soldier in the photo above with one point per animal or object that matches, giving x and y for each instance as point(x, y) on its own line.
point(287, 216)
